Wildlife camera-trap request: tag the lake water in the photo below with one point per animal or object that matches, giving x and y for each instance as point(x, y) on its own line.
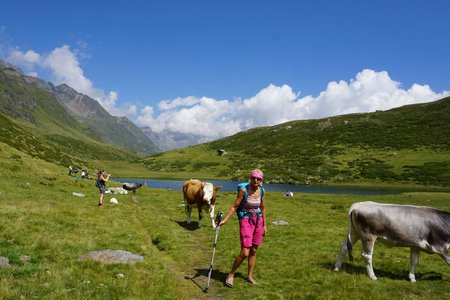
point(230, 186)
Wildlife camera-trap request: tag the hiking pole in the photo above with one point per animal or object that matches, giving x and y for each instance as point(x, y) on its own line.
point(218, 220)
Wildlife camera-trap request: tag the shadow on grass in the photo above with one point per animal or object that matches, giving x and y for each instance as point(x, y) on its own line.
point(215, 276)
point(352, 269)
point(191, 227)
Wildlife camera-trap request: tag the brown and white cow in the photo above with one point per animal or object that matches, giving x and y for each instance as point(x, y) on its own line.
point(417, 227)
point(201, 195)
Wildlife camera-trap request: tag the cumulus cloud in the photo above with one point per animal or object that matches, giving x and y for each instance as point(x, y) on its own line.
point(25, 59)
point(367, 92)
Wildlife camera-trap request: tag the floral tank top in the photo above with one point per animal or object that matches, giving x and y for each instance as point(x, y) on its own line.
point(253, 202)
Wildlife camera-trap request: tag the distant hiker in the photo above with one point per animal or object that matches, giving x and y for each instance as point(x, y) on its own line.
point(249, 206)
point(84, 174)
point(100, 182)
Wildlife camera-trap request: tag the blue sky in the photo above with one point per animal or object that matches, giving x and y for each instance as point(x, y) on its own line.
point(219, 67)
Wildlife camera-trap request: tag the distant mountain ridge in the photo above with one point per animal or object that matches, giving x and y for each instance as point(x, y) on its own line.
point(96, 121)
point(169, 140)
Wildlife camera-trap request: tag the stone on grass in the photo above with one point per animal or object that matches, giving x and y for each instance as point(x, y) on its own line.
point(280, 222)
point(78, 194)
point(112, 257)
point(4, 262)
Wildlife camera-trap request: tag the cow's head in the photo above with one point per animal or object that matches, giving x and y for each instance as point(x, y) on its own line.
point(208, 192)
point(209, 198)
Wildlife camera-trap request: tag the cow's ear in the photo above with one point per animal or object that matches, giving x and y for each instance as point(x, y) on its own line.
point(217, 188)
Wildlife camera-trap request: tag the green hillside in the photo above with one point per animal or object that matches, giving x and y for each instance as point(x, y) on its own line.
point(32, 121)
point(409, 144)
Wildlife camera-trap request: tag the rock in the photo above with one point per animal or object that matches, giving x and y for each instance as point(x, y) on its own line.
point(112, 257)
point(78, 194)
point(280, 223)
point(4, 262)
point(118, 190)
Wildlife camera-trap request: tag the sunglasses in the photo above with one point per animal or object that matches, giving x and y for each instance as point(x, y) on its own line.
point(256, 178)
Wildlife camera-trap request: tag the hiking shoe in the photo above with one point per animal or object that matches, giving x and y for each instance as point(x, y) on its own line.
point(229, 281)
point(251, 281)
point(100, 205)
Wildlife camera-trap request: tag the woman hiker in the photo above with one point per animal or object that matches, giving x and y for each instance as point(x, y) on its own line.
point(249, 206)
point(102, 178)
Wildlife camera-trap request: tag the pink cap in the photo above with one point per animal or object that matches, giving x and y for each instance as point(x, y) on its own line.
point(257, 174)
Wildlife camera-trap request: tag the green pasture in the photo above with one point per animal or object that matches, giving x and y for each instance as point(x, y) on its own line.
point(41, 219)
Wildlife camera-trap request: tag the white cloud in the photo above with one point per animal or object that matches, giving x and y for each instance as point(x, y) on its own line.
point(26, 60)
point(65, 68)
point(367, 92)
point(177, 102)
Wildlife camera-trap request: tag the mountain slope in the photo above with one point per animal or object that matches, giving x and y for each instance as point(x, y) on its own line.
point(33, 121)
point(99, 123)
point(409, 144)
point(20, 98)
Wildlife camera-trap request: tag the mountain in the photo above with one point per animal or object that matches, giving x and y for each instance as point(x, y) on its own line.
point(21, 99)
point(34, 122)
point(409, 144)
point(96, 121)
point(169, 140)
point(118, 131)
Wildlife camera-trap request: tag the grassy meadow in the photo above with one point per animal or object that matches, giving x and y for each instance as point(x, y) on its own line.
point(44, 229)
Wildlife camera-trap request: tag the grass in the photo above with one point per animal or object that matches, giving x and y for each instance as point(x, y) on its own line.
point(41, 219)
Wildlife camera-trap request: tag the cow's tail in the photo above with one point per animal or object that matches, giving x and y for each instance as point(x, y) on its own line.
point(349, 234)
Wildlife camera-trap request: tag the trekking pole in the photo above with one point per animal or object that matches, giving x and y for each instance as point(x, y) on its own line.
point(218, 220)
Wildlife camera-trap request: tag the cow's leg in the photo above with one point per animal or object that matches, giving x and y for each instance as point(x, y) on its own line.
point(368, 241)
point(346, 246)
point(414, 260)
point(340, 258)
point(200, 216)
point(211, 214)
point(188, 210)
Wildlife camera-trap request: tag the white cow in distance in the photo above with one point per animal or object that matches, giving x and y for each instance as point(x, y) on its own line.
point(420, 228)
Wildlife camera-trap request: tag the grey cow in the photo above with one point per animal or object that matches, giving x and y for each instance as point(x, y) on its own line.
point(132, 186)
point(418, 227)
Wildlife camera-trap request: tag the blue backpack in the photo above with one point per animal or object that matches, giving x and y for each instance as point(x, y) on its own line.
point(240, 211)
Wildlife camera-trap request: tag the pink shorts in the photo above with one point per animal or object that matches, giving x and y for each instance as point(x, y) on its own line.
point(251, 235)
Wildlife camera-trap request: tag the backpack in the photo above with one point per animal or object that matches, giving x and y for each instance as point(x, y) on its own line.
point(97, 183)
point(244, 185)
